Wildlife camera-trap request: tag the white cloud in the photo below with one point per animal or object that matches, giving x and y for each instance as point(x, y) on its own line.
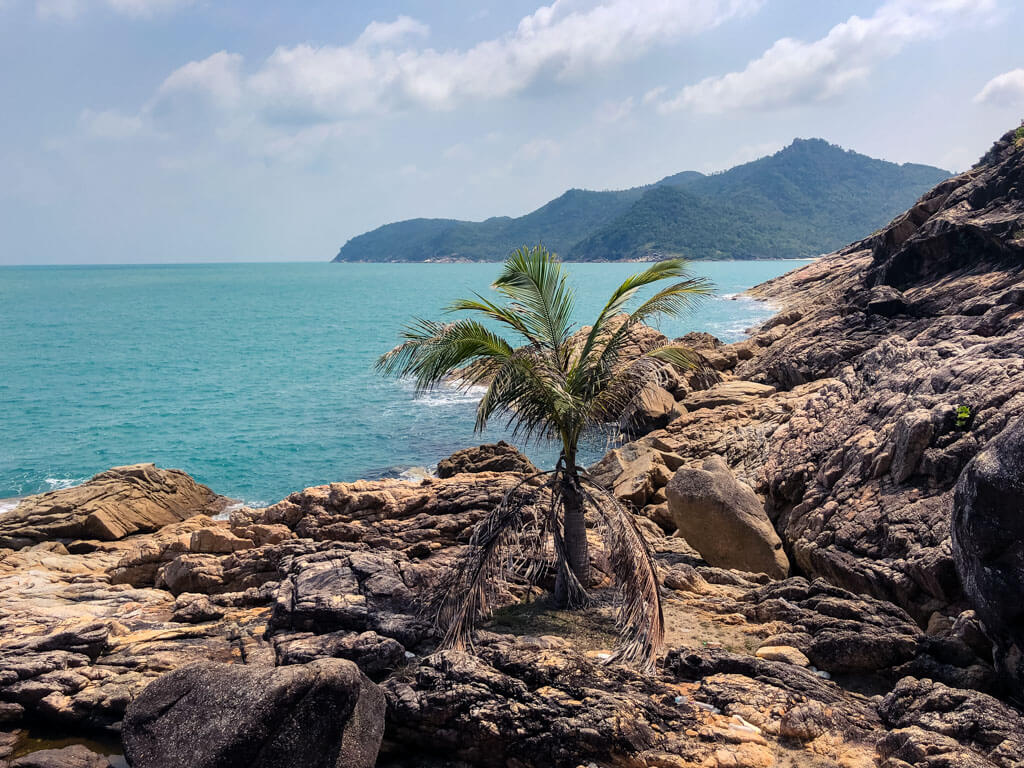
point(392, 32)
point(111, 124)
point(794, 72)
point(614, 111)
point(381, 71)
point(1005, 90)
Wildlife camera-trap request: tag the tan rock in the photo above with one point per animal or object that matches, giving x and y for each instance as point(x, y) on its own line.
point(110, 506)
point(217, 540)
point(784, 653)
point(726, 393)
point(724, 520)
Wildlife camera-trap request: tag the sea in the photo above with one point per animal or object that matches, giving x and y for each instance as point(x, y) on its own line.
point(258, 379)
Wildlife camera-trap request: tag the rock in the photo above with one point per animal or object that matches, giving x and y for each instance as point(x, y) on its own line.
point(784, 653)
point(978, 723)
point(724, 520)
point(919, 748)
point(75, 756)
point(191, 608)
point(988, 545)
point(654, 409)
point(491, 457)
point(886, 301)
point(913, 433)
point(192, 573)
point(633, 473)
point(110, 506)
point(325, 714)
point(376, 656)
point(217, 541)
point(726, 393)
point(838, 631)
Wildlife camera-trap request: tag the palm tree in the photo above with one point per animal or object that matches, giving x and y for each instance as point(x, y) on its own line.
point(550, 384)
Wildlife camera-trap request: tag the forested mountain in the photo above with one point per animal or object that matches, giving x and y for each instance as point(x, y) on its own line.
point(806, 199)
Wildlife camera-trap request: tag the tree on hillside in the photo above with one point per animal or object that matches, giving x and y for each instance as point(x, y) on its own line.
point(550, 385)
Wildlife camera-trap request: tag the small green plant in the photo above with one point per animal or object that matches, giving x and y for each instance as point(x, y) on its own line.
point(963, 416)
point(1018, 136)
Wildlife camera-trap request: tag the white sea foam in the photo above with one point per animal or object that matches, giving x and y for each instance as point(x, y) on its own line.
point(8, 505)
point(450, 395)
point(60, 483)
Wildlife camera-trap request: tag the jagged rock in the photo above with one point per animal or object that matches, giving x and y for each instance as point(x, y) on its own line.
point(325, 714)
point(633, 473)
point(913, 434)
point(919, 748)
point(191, 608)
point(724, 520)
point(988, 545)
point(192, 573)
point(977, 722)
point(375, 655)
point(726, 393)
point(75, 756)
point(838, 631)
point(886, 301)
point(491, 457)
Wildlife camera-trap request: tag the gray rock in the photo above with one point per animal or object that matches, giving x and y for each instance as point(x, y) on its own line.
point(75, 756)
point(326, 714)
point(724, 520)
point(988, 545)
point(913, 433)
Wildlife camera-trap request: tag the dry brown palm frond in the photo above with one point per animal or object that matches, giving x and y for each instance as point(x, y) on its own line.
point(641, 622)
point(509, 541)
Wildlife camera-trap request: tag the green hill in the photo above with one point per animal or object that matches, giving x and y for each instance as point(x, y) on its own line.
point(809, 198)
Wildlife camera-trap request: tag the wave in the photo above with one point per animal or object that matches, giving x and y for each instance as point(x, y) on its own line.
point(450, 396)
point(8, 505)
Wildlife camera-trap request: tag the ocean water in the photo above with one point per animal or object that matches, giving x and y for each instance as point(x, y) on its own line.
point(257, 379)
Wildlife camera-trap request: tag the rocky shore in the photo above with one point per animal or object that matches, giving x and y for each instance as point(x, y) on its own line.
point(834, 507)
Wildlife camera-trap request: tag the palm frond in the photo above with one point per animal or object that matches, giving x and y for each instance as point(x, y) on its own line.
point(641, 620)
point(432, 351)
point(509, 540)
point(539, 288)
point(621, 296)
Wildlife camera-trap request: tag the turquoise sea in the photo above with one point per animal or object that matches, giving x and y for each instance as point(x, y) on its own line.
point(257, 379)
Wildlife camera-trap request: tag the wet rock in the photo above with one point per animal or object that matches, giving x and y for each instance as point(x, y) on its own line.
point(325, 714)
point(110, 506)
point(988, 545)
point(724, 520)
point(491, 457)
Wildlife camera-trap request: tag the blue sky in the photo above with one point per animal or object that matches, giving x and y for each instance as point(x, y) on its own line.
point(192, 130)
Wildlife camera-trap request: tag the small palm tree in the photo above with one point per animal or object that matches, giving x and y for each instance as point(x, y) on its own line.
point(550, 384)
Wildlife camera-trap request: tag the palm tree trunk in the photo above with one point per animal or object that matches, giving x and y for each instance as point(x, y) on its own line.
point(574, 535)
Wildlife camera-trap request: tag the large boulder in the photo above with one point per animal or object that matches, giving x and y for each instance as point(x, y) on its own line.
point(724, 520)
point(113, 504)
point(490, 457)
point(325, 714)
point(988, 544)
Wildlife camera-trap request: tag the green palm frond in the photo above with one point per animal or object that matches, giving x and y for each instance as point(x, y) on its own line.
point(539, 289)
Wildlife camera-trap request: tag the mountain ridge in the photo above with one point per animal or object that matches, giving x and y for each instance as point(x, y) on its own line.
point(806, 199)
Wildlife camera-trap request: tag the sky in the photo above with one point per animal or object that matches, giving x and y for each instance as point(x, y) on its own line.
point(153, 131)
